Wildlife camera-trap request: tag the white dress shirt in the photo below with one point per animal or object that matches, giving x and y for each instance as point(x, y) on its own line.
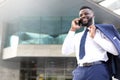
point(95, 49)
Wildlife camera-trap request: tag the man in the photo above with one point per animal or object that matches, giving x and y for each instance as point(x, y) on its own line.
point(91, 52)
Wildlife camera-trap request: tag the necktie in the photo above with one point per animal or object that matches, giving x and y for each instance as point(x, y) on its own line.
point(82, 45)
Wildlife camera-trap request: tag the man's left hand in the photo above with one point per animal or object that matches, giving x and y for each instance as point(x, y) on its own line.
point(92, 31)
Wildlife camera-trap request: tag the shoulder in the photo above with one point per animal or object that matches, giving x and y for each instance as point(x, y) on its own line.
point(78, 35)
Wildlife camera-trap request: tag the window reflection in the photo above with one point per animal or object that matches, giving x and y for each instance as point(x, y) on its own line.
point(36, 38)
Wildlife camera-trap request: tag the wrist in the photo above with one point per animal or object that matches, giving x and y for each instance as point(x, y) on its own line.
point(72, 29)
point(92, 35)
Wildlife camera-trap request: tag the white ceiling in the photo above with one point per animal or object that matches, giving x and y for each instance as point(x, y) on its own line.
point(113, 5)
point(14, 9)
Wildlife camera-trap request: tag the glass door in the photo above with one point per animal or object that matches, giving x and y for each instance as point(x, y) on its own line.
point(50, 68)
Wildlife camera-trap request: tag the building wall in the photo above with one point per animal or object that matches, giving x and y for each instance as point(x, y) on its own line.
point(8, 70)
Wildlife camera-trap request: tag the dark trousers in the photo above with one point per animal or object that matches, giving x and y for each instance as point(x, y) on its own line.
point(95, 72)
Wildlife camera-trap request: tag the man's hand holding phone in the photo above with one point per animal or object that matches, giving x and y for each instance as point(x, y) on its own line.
point(75, 25)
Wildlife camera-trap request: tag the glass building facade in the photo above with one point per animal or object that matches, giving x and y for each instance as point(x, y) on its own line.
point(38, 30)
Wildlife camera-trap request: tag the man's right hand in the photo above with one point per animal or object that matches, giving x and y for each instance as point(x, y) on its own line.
point(74, 25)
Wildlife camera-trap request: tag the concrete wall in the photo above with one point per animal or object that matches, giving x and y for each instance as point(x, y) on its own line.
point(34, 51)
point(8, 70)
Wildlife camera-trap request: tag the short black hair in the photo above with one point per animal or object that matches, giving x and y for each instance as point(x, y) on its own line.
point(86, 7)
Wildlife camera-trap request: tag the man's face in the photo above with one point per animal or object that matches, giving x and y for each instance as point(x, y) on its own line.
point(86, 16)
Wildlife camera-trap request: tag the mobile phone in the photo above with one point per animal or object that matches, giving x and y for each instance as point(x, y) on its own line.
point(79, 22)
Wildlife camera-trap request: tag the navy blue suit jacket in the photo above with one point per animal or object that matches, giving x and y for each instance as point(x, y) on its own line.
point(112, 34)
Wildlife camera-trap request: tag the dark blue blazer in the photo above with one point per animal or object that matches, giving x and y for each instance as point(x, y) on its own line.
point(112, 34)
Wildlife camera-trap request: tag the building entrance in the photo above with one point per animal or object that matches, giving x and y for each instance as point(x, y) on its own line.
point(47, 68)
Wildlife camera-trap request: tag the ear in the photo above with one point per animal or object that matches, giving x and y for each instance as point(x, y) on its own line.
point(93, 15)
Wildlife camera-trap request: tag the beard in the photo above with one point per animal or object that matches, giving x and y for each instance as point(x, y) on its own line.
point(88, 23)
